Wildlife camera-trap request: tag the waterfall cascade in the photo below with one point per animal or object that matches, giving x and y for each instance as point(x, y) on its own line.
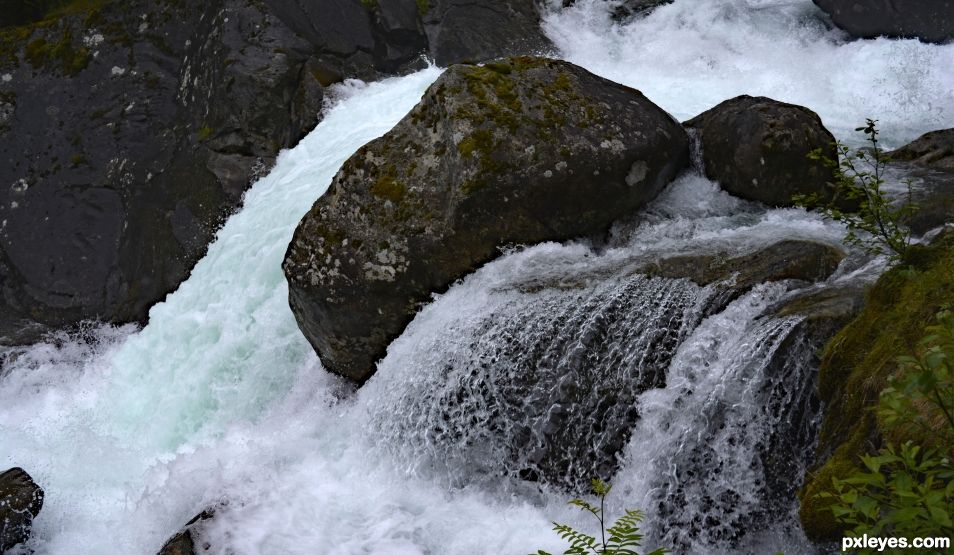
point(554, 362)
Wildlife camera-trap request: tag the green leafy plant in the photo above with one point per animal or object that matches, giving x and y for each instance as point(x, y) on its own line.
point(920, 398)
point(908, 492)
point(878, 225)
point(624, 536)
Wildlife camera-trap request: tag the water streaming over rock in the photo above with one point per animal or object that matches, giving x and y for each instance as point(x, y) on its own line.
point(551, 363)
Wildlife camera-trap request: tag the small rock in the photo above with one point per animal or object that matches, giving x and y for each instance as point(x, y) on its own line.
point(184, 541)
point(20, 502)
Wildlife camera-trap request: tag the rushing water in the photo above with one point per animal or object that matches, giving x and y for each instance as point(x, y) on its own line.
point(220, 401)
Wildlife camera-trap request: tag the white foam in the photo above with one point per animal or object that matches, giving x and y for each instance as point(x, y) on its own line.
point(692, 54)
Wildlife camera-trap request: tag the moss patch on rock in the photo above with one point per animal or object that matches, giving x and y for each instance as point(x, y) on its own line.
point(857, 363)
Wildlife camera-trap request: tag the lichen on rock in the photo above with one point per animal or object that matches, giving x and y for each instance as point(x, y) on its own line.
point(514, 151)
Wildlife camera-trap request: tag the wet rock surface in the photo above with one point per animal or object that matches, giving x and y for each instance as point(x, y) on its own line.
point(569, 358)
point(928, 20)
point(757, 149)
point(188, 540)
point(20, 502)
point(928, 162)
point(468, 31)
point(520, 151)
point(130, 130)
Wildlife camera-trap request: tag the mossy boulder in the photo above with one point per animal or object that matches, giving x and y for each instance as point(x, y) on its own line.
point(20, 502)
point(522, 150)
point(856, 364)
point(928, 20)
point(757, 149)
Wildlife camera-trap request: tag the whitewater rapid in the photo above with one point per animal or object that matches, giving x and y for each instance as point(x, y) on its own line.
point(221, 400)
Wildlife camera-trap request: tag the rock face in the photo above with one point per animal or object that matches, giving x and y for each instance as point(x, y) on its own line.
point(129, 131)
point(20, 502)
point(929, 161)
point(464, 30)
point(928, 20)
point(757, 149)
point(520, 151)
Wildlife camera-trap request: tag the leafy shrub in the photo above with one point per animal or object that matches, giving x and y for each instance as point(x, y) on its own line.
point(878, 226)
point(921, 396)
point(908, 492)
point(624, 535)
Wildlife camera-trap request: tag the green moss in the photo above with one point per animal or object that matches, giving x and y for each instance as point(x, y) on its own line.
point(370, 4)
point(422, 7)
point(204, 133)
point(62, 53)
point(78, 160)
point(387, 187)
point(857, 362)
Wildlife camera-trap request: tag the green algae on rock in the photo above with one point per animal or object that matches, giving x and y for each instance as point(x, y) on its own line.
point(523, 150)
point(857, 362)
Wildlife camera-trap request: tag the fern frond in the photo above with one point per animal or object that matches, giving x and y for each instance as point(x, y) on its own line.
point(579, 542)
point(585, 506)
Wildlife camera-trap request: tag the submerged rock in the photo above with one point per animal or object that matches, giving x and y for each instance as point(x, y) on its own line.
point(757, 149)
point(20, 502)
point(928, 20)
point(522, 150)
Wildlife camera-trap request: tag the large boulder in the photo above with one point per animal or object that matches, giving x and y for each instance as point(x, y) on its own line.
point(523, 150)
point(757, 149)
point(928, 20)
point(130, 130)
point(20, 502)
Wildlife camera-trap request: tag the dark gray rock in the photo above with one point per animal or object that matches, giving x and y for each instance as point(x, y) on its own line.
point(928, 20)
point(932, 150)
point(757, 149)
point(20, 502)
point(129, 132)
point(185, 541)
point(132, 132)
point(520, 151)
point(929, 162)
point(475, 31)
point(624, 10)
